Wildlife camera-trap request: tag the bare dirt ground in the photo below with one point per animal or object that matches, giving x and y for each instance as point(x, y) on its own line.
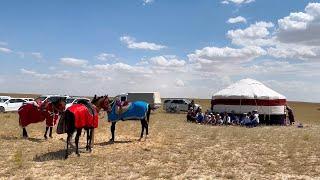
point(175, 149)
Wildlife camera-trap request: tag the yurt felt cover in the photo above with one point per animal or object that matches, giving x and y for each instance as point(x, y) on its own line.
point(248, 95)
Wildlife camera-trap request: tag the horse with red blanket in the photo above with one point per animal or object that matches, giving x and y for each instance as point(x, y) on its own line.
point(82, 115)
point(38, 112)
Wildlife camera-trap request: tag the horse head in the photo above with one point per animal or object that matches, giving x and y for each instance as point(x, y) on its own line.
point(102, 102)
point(60, 104)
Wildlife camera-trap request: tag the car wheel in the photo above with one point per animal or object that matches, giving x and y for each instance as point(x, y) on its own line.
point(2, 110)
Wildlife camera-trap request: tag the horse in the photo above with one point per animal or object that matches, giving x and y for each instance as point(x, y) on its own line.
point(33, 113)
point(137, 110)
point(84, 115)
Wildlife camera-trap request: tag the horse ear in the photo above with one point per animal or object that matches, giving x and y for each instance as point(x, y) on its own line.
point(95, 96)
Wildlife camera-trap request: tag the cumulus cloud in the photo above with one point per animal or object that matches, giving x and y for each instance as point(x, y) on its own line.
point(167, 61)
point(238, 19)
point(238, 2)
point(146, 2)
point(179, 83)
point(132, 44)
point(225, 54)
point(73, 62)
point(301, 27)
point(5, 50)
point(257, 34)
point(105, 56)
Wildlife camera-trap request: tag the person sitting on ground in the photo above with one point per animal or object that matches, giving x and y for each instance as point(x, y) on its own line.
point(247, 120)
point(191, 115)
point(219, 121)
point(212, 119)
point(226, 119)
point(255, 120)
point(200, 116)
point(234, 119)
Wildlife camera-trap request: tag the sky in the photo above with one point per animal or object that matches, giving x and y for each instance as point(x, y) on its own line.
point(190, 48)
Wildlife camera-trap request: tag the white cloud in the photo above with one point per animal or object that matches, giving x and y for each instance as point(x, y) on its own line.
point(146, 2)
point(293, 51)
point(238, 2)
point(105, 56)
point(132, 44)
point(255, 35)
point(238, 19)
point(179, 83)
point(301, 27)
point(5, 50)
point(226, 54)
point(73, 62)
point(167, 61)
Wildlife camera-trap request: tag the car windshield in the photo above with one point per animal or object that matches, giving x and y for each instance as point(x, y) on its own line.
point(69, 100)
point(3, 100)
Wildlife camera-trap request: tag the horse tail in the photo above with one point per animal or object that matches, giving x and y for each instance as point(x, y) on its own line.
point(69, 122)
point(148, 113)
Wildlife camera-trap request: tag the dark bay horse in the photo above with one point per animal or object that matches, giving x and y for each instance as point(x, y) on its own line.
point(137, 110)
point(84, 115)
point(33, 113)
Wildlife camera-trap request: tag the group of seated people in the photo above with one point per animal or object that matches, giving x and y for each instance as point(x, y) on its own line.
point(250, 119)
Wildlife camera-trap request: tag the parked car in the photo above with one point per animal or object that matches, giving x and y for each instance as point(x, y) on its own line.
point(153, 98)
point(43, 98)
point(177, 105)
point(12, 104)
point(4, 98)
point(28, 99)
point(74, 100)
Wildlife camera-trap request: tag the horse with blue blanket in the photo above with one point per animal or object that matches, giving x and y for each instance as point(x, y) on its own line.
point(137, 110)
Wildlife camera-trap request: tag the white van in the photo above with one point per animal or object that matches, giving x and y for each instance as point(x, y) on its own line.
point(153, 98)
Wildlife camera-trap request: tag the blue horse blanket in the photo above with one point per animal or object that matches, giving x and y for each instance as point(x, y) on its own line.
point(136, 110)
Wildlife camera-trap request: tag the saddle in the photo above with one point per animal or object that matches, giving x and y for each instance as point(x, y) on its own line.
point(89, 106)
point(122, 108)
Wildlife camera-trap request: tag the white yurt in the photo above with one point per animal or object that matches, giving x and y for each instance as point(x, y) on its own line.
point(247, 95)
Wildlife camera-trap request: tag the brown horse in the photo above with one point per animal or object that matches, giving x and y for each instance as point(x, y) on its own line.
point(84, 115)
point(34, 113)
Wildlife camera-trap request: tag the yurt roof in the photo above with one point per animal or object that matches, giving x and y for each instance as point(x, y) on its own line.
point(248, 89)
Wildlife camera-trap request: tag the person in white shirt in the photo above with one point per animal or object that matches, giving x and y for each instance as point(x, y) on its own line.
point(246, 120)
point(226, 119)
point(255, 120)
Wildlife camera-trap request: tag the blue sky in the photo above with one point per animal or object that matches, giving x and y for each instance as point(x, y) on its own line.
point(86, 47)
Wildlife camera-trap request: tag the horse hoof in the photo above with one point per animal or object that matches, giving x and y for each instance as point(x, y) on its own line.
point(66, 157)
point(50, 137)
point(111, 140)
point(78, 154)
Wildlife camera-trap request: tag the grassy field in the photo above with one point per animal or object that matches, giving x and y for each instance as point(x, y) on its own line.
point(175, 149)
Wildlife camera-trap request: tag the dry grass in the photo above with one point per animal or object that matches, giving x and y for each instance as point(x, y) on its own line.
point(175, 149)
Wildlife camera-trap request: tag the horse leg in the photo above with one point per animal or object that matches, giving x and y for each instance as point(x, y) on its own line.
point(77, 141)
point(24, 133)
point(113, 128)
point(68, 142)
point(147, 128)
point(88, 139)
point(50, 132)
point(45, 134)
point(91, 139)
point(142, 128)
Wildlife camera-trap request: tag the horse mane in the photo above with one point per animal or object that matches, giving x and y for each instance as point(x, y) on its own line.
point(96, 99)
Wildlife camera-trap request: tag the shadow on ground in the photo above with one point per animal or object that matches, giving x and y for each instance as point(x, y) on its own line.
point(56, 155)
point(113, 142)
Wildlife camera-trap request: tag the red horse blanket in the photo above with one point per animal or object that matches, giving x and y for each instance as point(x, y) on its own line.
point(82, 117)
point(30, 113)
